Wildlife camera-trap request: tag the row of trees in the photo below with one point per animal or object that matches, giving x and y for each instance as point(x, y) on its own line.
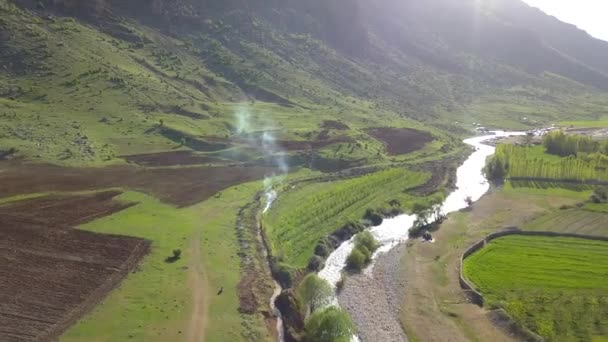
point(563, 145)
point(522, 162)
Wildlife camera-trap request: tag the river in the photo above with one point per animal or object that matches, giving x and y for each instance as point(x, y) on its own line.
point(470, 182)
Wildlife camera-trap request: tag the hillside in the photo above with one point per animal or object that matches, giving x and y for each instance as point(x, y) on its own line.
point(110, 71)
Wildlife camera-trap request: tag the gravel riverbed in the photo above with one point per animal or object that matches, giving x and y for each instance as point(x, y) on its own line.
point(373, 298)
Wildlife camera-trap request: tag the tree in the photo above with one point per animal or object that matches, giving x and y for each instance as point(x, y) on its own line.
point(315, 292)
point(330, 325)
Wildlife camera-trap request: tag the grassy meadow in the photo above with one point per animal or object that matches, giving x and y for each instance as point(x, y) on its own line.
point(554, 286)
point(155, 302)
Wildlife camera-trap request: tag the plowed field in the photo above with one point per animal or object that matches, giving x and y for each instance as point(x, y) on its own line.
point(51, 273)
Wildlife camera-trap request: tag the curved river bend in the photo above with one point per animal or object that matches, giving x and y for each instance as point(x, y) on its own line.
point(470, 182)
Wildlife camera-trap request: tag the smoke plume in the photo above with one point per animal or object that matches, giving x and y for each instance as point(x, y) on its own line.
point(273, 153)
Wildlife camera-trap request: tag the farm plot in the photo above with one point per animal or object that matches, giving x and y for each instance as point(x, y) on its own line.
point(552, 285)
point(179, 186)
point(300, 217)
point(171, 158)
point(400, 140)
point(52, 274)
point(577, 221)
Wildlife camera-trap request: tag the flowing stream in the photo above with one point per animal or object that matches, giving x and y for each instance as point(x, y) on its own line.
point(470, 182)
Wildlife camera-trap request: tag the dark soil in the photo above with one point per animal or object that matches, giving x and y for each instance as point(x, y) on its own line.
point(294, 145)
point(289, 145)
point(52, 274)
point(171, 158)
point(332, 124)
point(400, 140)
point(64, 210)
point(178, 186)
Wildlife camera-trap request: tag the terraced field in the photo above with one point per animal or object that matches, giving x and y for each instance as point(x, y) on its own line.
point(576, 221)
point(300, 217)
point(552, 285)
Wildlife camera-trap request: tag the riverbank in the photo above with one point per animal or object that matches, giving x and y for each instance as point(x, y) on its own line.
point(373, 298)
point(434, 307)
point(371, 301)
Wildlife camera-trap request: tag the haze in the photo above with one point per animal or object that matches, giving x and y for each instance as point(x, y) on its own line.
point(589, 15)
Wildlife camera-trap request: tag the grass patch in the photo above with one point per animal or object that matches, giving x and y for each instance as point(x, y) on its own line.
point(154, 303)
point(300, 217)
point(554, 286)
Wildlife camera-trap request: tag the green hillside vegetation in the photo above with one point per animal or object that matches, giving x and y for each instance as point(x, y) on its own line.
point(553, 286)
point(87, 84)
point(73, 94)
point(302, 216)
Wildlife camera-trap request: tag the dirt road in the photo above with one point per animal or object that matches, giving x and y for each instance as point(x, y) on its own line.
point(200, 292)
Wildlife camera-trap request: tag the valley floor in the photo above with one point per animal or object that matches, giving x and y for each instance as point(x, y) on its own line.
point(423, 277)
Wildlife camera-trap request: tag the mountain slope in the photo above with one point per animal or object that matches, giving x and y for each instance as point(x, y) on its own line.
point(115, 69)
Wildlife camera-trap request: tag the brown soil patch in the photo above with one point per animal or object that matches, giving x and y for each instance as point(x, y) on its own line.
point(289, 145)
point(333, 124)
point(293, 145)
point(179, 186)
point(400, 140)
point(171, 158)
point(435, 308)
point(51, 274)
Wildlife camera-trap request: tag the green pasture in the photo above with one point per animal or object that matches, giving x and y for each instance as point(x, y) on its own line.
point(554, 286)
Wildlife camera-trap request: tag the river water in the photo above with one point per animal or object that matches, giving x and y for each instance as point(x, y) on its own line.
point(470, 182)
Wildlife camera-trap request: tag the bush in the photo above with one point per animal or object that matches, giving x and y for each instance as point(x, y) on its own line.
point(365, 246)
point(315, 292)
point(316, 263)
point(367, 240)
point(176, 255)
point(330, 325)
point(356, 260)
point(321, 249)
point(373, 216)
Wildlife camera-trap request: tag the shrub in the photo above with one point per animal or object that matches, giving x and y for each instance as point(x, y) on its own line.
point(330, 325)
point(316, 263)
point(365, 246)
point(177, 253)
point(373, 216)
point(367, 240)
point(321, 249)
point(315, 292)
point(356, 260)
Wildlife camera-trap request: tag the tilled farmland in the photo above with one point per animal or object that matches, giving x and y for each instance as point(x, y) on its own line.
point(51, 273)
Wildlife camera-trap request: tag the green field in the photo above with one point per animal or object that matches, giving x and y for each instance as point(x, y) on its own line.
point(552, 285)
point(155, 303)
point(301, 216)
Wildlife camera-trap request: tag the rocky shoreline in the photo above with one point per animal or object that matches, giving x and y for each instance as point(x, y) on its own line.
point(373, 298)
